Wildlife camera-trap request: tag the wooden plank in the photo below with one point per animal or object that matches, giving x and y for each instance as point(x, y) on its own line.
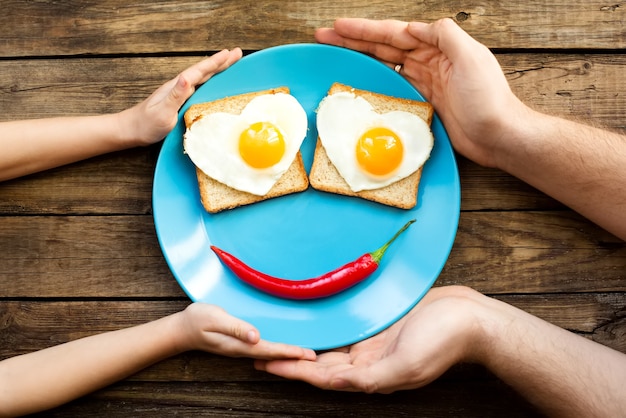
point(484, 398)
point(32, 325)
point(534, 252)
point(494, 252)
point(579, 85)
point(117, 27)
point(492, 189)
point(90, 256)
point(119, 183)
point(61, 87)
point(79, 250)
point(582, 86)
point(586, 87)
point(219, 385)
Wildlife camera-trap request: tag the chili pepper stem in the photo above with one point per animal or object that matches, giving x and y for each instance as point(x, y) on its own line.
point(378, 254)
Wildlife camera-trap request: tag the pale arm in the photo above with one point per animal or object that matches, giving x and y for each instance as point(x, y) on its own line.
point(30, 146)
point(35, 145)
point(53, 376)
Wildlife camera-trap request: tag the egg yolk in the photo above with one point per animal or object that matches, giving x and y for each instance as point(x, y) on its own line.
point(261, 145)
point(379, 151)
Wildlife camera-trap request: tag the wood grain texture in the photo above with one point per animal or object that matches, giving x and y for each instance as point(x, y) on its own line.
point(494, 252)
point(121, 183)
point(47, 28)
point(118, 183)
point(285, 399)
point(215, 385)
point(584, 86)
point(83, 256)
point(78, 250)
point(30, 325)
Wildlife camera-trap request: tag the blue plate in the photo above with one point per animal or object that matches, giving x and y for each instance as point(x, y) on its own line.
point(307, 234)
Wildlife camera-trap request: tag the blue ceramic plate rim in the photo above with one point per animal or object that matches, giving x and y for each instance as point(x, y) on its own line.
point(306, 234)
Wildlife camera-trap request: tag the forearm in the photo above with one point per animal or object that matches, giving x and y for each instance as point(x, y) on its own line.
point(579, 165)
point(29, 146)
point(563, 374)
point(51, 377)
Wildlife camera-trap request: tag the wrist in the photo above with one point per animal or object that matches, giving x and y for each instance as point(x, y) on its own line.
point(178, 330)
point(484, 323)
point(523, 140)
point(469, 313)
point(127, 126)
point(516, 136)
point(481, 330)
point(499, 334)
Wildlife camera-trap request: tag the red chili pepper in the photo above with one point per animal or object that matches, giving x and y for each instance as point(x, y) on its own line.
point(318, 287)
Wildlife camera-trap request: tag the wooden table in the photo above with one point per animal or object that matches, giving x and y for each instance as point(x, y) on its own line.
point(79, 253)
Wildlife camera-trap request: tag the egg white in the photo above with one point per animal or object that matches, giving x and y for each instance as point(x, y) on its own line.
point(212, 143)
point(343, 117)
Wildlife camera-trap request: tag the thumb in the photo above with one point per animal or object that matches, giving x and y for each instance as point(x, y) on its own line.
point(180, 92)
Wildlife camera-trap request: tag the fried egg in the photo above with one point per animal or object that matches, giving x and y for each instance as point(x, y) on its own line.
point(252, 150)
point(371, 150)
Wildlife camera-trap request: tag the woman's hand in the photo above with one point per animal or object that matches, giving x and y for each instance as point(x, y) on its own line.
point(33, 145)
point(151, 120)
point(210, 328)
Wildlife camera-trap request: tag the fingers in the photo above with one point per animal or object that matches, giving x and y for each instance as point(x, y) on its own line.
point(391, 41)
point(210, 328)
point(300, 370)
point(217, 320)
point(328, 36)
point(289, 369)
point(203, 70)
point(266, 350)
point(233, 56)
point(446, 35)
point(186, 82)
point(337, 374)
point(248, 340)
point(318, 373)
point(389, 32)
point(336, 370)
point(387, 40)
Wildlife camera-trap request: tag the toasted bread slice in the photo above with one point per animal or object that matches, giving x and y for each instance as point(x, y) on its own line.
point(401, 194)
point(216, 196)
